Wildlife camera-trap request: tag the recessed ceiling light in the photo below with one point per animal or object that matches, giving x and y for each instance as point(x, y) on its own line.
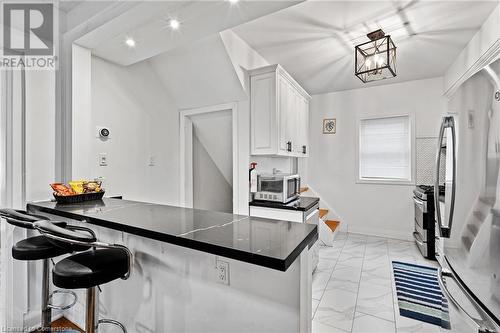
point(174, 24)
point(130, 42)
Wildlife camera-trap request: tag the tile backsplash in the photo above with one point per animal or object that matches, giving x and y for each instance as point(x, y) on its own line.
point(426, 160)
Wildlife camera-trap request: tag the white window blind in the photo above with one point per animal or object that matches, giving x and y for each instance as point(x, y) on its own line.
point(385, 149)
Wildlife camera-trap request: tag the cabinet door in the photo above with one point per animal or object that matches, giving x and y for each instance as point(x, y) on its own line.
point(285, 97)
point(292, 119)
point(263, 114)
point(303, 128)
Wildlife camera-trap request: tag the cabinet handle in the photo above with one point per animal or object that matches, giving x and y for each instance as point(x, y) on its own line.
point(304, 149)
point(289, 146)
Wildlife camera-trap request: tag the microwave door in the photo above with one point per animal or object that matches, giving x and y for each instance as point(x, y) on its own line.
point(447, 143)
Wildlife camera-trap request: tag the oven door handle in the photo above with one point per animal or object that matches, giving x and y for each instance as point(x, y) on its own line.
point(483, 325)
point(418, 238)
point(422, 205)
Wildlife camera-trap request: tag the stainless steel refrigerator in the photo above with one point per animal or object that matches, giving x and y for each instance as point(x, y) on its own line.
point(468, 215)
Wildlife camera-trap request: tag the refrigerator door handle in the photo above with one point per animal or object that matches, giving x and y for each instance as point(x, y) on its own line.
point(483, 325)
point(445, 230)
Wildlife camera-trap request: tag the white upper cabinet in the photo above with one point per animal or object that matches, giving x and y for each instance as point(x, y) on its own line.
point(279, 113)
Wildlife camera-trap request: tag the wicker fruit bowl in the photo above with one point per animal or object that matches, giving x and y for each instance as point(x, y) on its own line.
point(77, 191)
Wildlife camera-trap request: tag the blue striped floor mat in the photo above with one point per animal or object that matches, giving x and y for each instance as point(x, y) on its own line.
point(419, 294)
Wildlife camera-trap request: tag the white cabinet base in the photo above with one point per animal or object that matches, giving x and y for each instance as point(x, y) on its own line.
point(294, 216)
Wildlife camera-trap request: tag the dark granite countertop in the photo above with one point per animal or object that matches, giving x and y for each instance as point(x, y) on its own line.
point(269, 243)
point(302, 204)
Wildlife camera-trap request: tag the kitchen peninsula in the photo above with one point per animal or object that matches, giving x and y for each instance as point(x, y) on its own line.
point(176, 284)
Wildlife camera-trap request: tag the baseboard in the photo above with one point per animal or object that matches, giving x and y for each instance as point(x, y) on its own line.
point(33, 318)
point(381, 233)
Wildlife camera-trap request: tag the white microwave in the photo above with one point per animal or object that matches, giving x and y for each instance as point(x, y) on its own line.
point(277, 187)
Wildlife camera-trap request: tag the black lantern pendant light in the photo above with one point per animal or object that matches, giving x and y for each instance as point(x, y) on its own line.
point(376, 59)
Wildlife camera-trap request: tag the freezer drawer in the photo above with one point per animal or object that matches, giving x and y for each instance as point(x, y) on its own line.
point(466, 313)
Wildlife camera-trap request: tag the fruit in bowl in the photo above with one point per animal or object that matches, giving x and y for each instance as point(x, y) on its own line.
point(62, 190)
point(76, 187)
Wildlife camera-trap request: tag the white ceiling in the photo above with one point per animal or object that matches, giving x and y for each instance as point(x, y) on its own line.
point(148, 24)
point(67, 6)
point(199, 73)
point(315, 40)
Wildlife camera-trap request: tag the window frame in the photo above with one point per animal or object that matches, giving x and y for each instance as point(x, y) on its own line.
point(412, 144)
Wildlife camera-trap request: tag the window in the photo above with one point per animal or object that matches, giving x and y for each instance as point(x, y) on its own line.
point(385, 149)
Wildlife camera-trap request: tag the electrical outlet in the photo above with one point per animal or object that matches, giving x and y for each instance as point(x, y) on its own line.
point(223, 272)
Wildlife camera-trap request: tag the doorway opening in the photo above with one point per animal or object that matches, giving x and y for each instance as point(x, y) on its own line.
point(208, 158)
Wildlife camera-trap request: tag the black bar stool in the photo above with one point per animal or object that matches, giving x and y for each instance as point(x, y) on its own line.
point(38, 248)
point(87, 270)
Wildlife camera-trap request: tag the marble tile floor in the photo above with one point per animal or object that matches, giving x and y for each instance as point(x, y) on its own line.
point(353, 289)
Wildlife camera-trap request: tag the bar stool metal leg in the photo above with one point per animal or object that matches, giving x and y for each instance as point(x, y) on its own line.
point(46, 310)
point(92, 311)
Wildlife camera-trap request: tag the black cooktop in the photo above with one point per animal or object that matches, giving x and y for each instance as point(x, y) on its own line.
point(301, 204)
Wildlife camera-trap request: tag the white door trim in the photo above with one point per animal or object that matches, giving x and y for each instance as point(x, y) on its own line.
point(14, 278)
point(186, 196)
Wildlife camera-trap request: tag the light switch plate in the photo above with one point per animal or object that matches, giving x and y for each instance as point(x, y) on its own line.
point(103, 159)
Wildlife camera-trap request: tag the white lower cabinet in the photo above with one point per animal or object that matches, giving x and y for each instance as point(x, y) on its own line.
point(311, 216)
point(279, 113)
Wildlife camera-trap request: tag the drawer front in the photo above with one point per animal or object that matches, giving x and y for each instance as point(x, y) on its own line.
point(422, 246)
point(421, 231)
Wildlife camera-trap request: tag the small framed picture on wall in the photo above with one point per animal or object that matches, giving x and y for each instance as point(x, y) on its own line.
point(330, 126)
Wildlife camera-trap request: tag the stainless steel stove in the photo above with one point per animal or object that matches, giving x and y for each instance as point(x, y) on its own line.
point(423, 199)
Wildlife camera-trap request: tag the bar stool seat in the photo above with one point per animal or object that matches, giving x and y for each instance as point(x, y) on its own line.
point(39, 248)
point(104, 263)
point(36, 248)
point(90, 269)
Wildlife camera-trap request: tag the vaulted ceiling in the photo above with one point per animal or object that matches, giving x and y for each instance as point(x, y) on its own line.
point(148, 24)
point(315, 40)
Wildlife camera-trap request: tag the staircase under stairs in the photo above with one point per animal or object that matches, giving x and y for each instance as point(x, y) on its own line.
point(328, 228)
point(476, 230)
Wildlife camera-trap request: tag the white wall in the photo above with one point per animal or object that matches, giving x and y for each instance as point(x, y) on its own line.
point(481, 49)
point(211, 190)
point(143, 122)
point(215, 132)
point(244, 58)
point(266, 164)
point(82, 135)
point(211, 166)
point(39, 161)
point(199, 74)
point(385, 210)
point(40, 138)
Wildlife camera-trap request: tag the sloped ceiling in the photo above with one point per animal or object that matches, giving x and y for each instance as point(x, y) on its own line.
point(148, 24)
point(315, 40)
point(199, 74)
